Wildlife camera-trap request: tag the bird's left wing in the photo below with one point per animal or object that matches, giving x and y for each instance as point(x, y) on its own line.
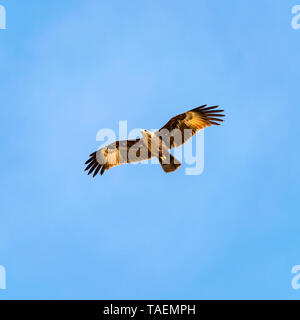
point(182, 127)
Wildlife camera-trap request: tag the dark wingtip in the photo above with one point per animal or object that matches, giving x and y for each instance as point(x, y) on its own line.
point(216, 119)
point(102, 170)
point(215, 123)
point(97, 170)
point(212, 114)
point(93, 168)
point(209, 108)
point(88, 161)
point(89, 166)
point(199, 108)
point(93, 165)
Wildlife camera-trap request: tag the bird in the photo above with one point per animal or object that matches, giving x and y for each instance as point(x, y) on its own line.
point(177, 131)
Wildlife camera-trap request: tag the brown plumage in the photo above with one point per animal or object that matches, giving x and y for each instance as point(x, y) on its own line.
point(173, 134)
point(182, 127)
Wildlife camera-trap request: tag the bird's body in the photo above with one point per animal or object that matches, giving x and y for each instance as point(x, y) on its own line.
point(175, 133)
point(159, 149)
point(154, 143)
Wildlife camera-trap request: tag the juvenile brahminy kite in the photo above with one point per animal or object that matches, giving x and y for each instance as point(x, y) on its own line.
point(156, 144)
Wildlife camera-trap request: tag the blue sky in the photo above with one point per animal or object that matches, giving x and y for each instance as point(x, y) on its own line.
point(70, 68)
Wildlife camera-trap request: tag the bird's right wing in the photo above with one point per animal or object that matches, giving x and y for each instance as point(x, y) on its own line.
point(117, 153)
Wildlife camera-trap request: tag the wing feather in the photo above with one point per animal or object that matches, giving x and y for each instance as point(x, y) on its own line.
point(117, 153)
point(182, 127)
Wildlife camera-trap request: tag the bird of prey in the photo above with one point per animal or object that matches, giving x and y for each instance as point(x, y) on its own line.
point(155, 144)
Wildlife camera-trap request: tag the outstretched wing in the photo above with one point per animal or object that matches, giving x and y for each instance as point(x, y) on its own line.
point(117, 153)
point(182, 127)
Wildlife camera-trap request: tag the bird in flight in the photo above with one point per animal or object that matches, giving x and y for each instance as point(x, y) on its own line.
point(155, 144)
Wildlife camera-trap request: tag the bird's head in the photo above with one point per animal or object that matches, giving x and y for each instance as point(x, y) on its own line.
point(145, 133)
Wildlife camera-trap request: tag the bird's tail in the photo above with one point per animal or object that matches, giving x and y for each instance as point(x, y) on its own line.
point(169, 163)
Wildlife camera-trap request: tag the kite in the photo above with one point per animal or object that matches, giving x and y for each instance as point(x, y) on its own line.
point(157, 144)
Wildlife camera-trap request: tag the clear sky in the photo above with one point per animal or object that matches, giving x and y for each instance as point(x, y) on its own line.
point(71, 68)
